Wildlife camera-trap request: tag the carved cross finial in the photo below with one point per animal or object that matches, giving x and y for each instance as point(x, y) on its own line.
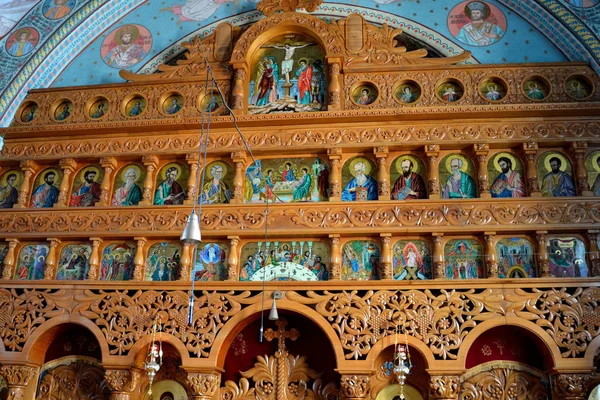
point(281, 334)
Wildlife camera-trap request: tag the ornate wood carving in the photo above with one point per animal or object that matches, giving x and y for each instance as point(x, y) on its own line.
point(122, 381)
point(17, 377)
point(203, 386)
point(270, 7)
point(572, 386)
point(76, 381)
point(444, 387)
point(355, 386)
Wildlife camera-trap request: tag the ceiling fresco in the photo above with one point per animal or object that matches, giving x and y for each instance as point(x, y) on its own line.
point(86, 42)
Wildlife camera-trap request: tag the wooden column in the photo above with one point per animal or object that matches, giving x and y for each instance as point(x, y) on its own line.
point(122, 382)
point(530, 150)
point(572, 386)
point(52, 259)
point(94, 271)
point(139, 260)
point(542, 254)
point(432, 151)
point(481, 154)
point(335, 265)
point(578, 150)
point(355, 386)
point(192, 191)
point(386, 262)
point(334, 101)
point(383, 175)
point(439, 271)
point(239, 160)
point(594, 254)
point(186, 262)
point(151, 162)
point(203, 384)
point(233, 264)
point(444, 387)
point(29, 169)
point(491, 259)
point(238, 92)
point(17, 378)
point(335, 175)
point(10, 259)
point(109, 164)
point(68, 166)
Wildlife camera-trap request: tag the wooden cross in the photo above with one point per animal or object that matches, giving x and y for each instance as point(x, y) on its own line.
point(281, 334)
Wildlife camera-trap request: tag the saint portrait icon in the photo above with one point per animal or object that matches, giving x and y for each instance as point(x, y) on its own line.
point(477, 23)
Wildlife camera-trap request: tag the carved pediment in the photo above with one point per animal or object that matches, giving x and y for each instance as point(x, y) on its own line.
point(270, 7)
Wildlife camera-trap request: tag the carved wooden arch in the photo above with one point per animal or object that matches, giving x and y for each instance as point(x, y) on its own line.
point(137, 354)
point(37, 344)
point(414, 343)
point(549, 343)
point(324, 34)
point(238, 322)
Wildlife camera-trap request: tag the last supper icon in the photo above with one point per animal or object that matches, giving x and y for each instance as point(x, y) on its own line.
point(288, 75)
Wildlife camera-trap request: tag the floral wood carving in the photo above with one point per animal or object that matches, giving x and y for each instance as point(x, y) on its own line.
point(75, 381)
point(444, 386)
point(573, 386)
point(355, 386)
point(17, 375)
point(122, 380)
point(270, 7)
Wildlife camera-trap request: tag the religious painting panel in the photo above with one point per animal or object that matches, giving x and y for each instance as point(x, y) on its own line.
point(463, 259)
point(31, 262)
point(73, 377)
point(28, 112)
point(358, 179)
point(582, 3)
point(117, 261)
point(515, 258)
point(579, 87)
point(407, 92)
point(57, 9)
point(22, 42)
point(592, 165)
point(74, 262)
point(218, 181)
point(476, 23)
point(64, 110)
point(364, 94)
point(285, 261)
point(163, 262)
point(171, 184)
point(287, 74)
point(536, 88)
point(567, 257)
point(98, 108)
point(286, 180)
point(493, 89)
point(10, 181)
point(360, 260)
point(86, 186)
point(211, 102)
point(45, 188)
point(450, 90)
point(172, 103)
point(555, 174)
point(457, 177)
point(134, 106)
point(126, 46)
point(505, 171)
point(412, 260)
point(211, 262)
point(127, 186)
point(408, 174)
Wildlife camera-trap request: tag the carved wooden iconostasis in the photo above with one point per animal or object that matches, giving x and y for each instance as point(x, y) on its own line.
point(389, 195)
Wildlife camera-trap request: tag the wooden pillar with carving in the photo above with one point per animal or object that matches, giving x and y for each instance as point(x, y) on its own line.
point(530, 150)
point(334, 98)
point(386, 264)
point(355, 386)
point(203, 384)
point(238, 92)
point(490, 257)
point(110, 165)
point(335, 176)
point(10, 259)
point(335, 267)
point(186, 262)
point(29, 169)
point(233, 264)
point(51, 259)
point(444, 387)
point(239, 160)
point(151, 162)
point(572, 386)
point(17, 378)
point(432, 151)
point(383, 175)
point(438, 256)
point(192, 190)
point(94, 271)
point(542, 254)
point(594, 254)
point(139, 260)
point(122, 382)
point(68, 166)
point(583, 187)
point(481, 154)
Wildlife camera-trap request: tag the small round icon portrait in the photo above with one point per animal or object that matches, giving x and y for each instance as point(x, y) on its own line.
point(135, 106)
point(536, 89)
point(29, 113)
point(126, 46)
point(363, 95)
point(492, 89)
point(407, 92)
point(63, 111)
point(57, 9)
point(22, 42)
point(172, 104)
point(99, 109)
point(578, 87)
point(476, 23)
point(212, 102)
point(582, 3)
point(450, 91)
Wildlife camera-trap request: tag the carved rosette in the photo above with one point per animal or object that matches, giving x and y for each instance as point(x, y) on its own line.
point(355, 386)
point(122, 381)
point(202, 385)
point(571, 386)
point(443, 387)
